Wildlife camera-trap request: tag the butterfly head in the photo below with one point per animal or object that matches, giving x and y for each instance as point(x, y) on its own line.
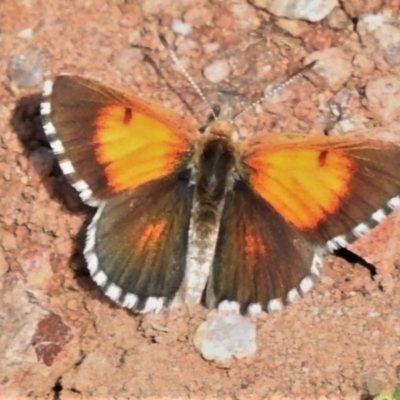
point(223, 126)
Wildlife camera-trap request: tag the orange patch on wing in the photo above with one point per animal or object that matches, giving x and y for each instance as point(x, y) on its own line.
point(303, 184)
point(135, 147)
point(152, 234)
point(253, 243)
point(254, 249)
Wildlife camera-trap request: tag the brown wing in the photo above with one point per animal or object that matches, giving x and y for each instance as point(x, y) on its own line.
point(107, 141)
point(330, 189)
point(137, 242)
point(259, 257)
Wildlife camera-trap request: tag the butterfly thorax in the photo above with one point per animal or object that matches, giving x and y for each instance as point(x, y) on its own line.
point(215, 160)
point(213, 173)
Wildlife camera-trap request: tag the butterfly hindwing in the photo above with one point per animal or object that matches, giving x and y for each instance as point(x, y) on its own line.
point(107, 141)
point(259, 258)
point(137, 242)
point(331, 189)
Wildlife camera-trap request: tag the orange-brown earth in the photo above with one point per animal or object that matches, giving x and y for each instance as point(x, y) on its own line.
point(60, 336)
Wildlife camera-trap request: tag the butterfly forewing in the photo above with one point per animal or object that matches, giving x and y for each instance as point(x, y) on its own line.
point(325, 186)
point(107, 141)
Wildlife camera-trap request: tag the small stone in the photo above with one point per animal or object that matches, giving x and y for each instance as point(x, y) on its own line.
point(352, 123)
point(333, 66)
point(224, 20)
point(295, 28)
point(73, 305)
point(217, 71)
point(383, 99)
point(157, 7)
point(374, 314)
point(130, 20)
point(180, 27)
point(134, 37)
point(36, 266)
point(382, 34)
point(310, 10)
point(21, 233)
point(8, 240)
point(338, 19)
point(224, 336)
point(186, 45)
point(211, 47)
point(50, 337)
point(25, 33)
point(245, 15)
point(363, 64)
point(196, 16)
point(356, 8)
point(42, 160)
point(349, 373)
point(25, 71)
point(127, 58)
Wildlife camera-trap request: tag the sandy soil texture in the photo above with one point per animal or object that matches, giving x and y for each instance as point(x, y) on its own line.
point(61, 338)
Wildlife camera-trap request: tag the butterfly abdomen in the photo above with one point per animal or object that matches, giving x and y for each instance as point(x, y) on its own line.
point(213, 170)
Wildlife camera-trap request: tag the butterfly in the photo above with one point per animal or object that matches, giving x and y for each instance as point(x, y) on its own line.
point(239, 223)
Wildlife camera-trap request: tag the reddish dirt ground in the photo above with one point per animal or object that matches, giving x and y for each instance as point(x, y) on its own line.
point(60, 336)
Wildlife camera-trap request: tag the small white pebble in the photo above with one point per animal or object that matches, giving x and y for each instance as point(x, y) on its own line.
point(186, 45)
point(217, 71)
point(211, 47)
point(25, 71)
point(223, 337)
point(180, 27)
point(312, 11)
point(25, 33)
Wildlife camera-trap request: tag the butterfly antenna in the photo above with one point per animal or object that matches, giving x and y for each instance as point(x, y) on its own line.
point(194, 85)
point(276, 89)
